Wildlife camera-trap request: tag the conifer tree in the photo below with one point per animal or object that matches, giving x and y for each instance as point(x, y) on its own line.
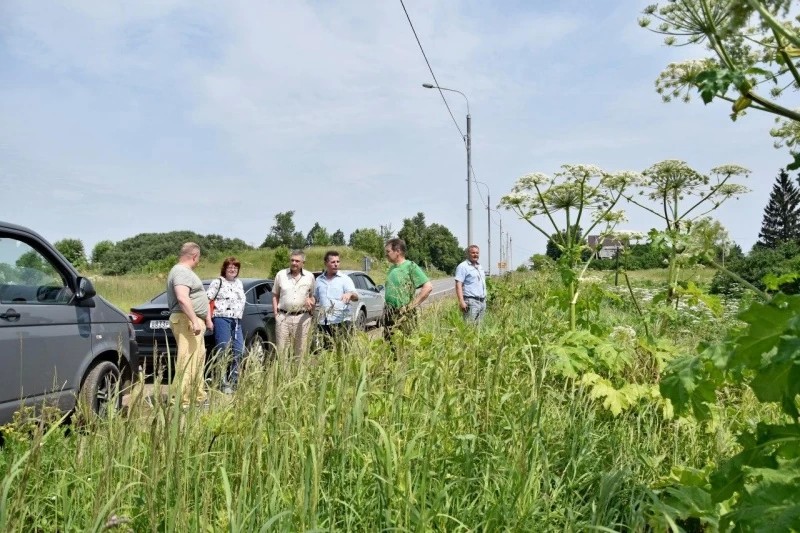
point(781, 221)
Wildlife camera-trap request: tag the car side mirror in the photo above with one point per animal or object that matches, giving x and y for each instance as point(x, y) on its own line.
point(85, 289)
point(379, 288)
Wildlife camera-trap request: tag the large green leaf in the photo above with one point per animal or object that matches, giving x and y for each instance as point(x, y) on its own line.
point(784, 437)
point(777, 379)
point(730, 477)
point(767, 323)
point(769, 501)
point(686, 384)
point(771, 383)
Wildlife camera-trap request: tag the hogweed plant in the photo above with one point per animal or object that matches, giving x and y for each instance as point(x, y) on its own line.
point(681, 197)
point(578, 194)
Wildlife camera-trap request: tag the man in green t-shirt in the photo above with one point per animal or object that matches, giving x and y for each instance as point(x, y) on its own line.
point(402, 281)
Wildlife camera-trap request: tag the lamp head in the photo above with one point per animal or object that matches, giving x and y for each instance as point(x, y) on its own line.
point(428, 85)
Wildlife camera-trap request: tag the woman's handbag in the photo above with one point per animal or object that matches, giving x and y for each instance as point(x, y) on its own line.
point(211, 303)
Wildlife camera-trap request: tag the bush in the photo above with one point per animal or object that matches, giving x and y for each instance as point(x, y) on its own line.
point(542, 262)
point(147, 251)
point(761, 261)
point(279, 261)
point(73, 250)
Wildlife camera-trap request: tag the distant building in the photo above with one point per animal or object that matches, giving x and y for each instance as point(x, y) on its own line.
point(608, 249)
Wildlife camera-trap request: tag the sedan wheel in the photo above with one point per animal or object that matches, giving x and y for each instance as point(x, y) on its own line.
point(361, 320)
point(258, 350)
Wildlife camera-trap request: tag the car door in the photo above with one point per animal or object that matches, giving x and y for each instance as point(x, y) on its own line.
point(258, 310)
point(377, 303)
point(44, 335)
point(364, 296)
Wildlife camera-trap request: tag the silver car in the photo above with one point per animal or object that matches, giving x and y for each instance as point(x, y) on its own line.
point(59, 341)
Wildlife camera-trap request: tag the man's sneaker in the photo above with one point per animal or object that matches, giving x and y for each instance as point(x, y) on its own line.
point(227, 390)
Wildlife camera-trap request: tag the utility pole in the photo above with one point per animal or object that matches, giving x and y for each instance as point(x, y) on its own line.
point(500, 262)
point(489, 229)
point(468, 142)
point(509, 251)
point(469, 178)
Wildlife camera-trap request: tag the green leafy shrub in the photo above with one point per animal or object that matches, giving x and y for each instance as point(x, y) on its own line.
point(761, 261)
point(758, 485)
point(73, 250)
point(279, 261)
point(137, 254)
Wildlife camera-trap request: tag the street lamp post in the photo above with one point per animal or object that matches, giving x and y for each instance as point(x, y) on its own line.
point(499, 263)
point(488, 225)
point(468, 142)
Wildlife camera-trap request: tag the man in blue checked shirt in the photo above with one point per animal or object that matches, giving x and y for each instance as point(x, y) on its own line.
point(471, 286)
point(333, 292)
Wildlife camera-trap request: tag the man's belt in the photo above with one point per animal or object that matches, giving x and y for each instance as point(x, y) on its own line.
point(292, 312)
point(479, 298)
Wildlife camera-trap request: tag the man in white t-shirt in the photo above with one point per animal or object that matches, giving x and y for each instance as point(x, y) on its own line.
point(293, 301)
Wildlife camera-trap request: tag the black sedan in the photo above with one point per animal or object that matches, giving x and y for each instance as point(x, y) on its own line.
point(151, 324)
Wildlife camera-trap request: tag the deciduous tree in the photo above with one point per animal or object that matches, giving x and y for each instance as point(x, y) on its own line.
point(367, 240)
point(158, 251)
point(443, 248)
point(284, 233)
point(73, 250)
point(337, 239)
point(318, 236)
point(100, 253)
point(413, 233)
point(386, 232)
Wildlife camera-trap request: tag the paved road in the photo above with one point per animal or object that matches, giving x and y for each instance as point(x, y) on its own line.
point(442, 288)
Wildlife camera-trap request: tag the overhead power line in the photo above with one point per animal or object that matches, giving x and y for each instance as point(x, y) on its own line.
point(441, 93)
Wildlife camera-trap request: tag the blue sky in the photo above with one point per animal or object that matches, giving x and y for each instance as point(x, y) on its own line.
point(127, 117)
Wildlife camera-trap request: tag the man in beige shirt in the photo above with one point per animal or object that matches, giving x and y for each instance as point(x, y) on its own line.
point(293, 301)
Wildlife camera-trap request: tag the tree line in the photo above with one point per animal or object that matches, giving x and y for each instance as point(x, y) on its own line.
point(430, 245)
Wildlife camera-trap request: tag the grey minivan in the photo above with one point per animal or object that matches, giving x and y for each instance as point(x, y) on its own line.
point(59, 340)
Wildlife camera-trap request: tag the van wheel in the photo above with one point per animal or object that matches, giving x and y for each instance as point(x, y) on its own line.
point(361, 320)
point(101, 388)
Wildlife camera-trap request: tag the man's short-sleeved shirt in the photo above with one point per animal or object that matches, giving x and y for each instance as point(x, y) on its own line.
point(328, 293)
point(183, 275)
point(292, 292)
point(402, 281)
point(472, 278)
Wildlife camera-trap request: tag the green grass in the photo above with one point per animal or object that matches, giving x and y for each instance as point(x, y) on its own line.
point(658, 276)
point(460, 429)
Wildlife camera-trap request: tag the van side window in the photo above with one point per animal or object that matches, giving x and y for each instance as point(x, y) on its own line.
point(28, 277)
